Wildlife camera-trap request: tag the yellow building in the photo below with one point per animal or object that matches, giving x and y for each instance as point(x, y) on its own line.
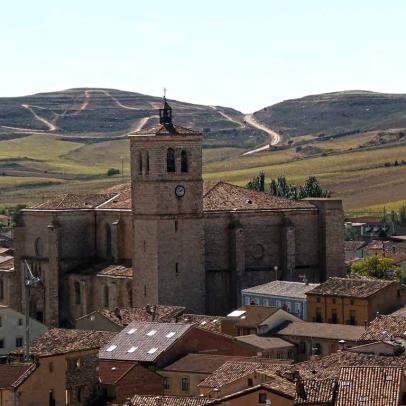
point(353, 301)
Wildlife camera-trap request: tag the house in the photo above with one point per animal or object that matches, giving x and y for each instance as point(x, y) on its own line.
point(368, 227)
point(353, 300)
point(270, 347)
point(66, 368)
point(290, 296)
point(246, 319)
point(12, 330)
point(314, 392)
point(107, 319)
point(153, 346)
point(371, 385)
point(389, 327)
point(182, 376)
point(318, 338)
point(354, 250)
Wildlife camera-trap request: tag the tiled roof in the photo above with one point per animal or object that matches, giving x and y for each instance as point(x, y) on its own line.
point(316, 392)
point(211, 323)
point(152, 400)
point(251, 315)
point(233, 370)
point(329, 366)
point(322, 330)
point(265, 343)
point(378, 386)
point(400, 312)
point(225, 196)
point(11, 376)
point(123, 316)
point(354, 245)
point(385, 328)
point(350, 287)
point(116, 270)
point(60, 341)
point(112, 371)
point(165, 129)
point(143, 341)
point(202, 363)
point(7, 264)
point(122, 198)
point(283, 288)
point(74, 201)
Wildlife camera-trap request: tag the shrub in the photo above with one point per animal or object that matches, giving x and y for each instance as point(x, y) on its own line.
point(112, 172)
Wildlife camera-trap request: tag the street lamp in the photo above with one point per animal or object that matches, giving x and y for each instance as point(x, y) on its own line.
point(275, 268)
point(30, 281)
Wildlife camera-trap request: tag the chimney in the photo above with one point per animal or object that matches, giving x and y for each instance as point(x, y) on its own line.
point(158, 401)
point(365, 324)
point(117, 313)
point(300, 389)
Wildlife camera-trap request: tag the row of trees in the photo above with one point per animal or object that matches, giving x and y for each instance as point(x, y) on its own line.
point(280, 187)
point(394, 217)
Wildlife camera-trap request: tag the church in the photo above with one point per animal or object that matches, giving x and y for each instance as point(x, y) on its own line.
point(168, 238)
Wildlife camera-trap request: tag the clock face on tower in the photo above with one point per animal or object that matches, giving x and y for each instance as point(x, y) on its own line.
point(180, 191)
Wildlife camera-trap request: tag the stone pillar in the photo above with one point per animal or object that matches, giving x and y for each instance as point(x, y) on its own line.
point(237, 261)
point(51, 316)
point(288, 249)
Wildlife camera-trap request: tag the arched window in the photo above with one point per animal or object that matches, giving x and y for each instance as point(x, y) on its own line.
point(39, 247)
point(170, 160)
point(147, 163)
point(139, 163)
point(108, 240)
point(183, 161)
point(78, 298)
point(106, 298)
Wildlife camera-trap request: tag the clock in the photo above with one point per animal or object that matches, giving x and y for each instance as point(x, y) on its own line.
point(180, 191)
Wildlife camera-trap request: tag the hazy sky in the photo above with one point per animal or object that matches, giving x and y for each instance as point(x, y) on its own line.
point(244, 54)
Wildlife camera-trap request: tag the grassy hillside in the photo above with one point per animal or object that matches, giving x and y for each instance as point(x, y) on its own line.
point(336, 113)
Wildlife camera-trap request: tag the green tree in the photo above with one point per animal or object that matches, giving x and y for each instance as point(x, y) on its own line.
point(402, 215)
point(112, 172)
point(257, 183)
point(378, 267)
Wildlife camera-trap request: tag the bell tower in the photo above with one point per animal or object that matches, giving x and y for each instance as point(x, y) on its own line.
point(167, 207)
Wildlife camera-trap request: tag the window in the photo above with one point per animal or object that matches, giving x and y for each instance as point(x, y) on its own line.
point(19, 342)
point(318, 317)
point(20, 322)
point(334, 300)
point(298, 308)
point(185, 384)
point(147, 163)
point(130, 294)
point(302, 347)
point(318, 300)
point(51, 367)
point(177, 269)
point(139, 163)
point(170, 160)
point(176, 226)
point(353, 320)
point(80, 394)
point(108, 239)
point(76, 286)
point(250, 382)
point(145, 290)
point(2, 343)
point(352, 302)
point(334, 317)
point(51, 398)
point(262, 398)
point(166, 382)
point(317, 349)
point(1, 290)
point(106, 296)
point(39, 247)
point(183, 161)
point(1, 321)
point(278, 303)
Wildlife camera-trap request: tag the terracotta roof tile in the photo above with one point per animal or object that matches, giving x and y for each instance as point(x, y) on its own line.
point(265, 343)
point(350, 287)
point(251, 315)
point(11, 376)
point(151, 400)
point(385, 328)
point(378, 386)
point(123, 270)
point(116, 270)
point(165, 129)
point(61, 341)
point(122, 199)
point(111, 371)
point(74, 201)
point(317, 392)
point(225, 196)
point(211, 323)
point(400, 312)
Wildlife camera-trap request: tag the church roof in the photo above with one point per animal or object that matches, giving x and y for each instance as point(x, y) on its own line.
point(165, 129)
point(217, 196)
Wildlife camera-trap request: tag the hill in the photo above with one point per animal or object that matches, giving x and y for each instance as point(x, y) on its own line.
point(338, 113)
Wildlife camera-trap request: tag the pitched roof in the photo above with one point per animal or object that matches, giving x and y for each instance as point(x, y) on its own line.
point(378, 386)
point(164, 129)
point(265, 343)
point(385, 328)
point(121, 270)
point(316, 392)
point(354, 245)
point(225, 196)
point(322, 330)
point(202, 363)
point(116, 270)
point(152, 400)
point(350, 287)
point(400, 312)
point(233, 370)
point(111, 371)
point(61, 341)
point(122, 198)
point(143, 341)
point(11, 376)
point(74, 201)
point(283, 288)
point(211, 323)
point(123, 316)
point(329, 366)
point(251, 315)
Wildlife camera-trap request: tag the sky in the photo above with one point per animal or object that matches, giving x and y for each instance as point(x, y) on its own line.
point(242, 54)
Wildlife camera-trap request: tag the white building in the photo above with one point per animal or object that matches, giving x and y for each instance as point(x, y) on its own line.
point(290, 296)
point(12, 330)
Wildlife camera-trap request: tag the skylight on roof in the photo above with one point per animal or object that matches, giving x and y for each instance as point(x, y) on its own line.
point(363, 398)
point(132, 349)
point(170, 335)
point(152, 350)
point(203, 322)
point(151, 333)
point(111, 348)
point(131, 331)
point(236, 313)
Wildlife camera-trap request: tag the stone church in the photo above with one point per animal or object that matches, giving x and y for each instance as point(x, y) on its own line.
point(168, 238)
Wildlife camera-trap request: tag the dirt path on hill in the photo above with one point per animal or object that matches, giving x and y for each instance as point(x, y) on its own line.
point(227, 117)
point(51, 126)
